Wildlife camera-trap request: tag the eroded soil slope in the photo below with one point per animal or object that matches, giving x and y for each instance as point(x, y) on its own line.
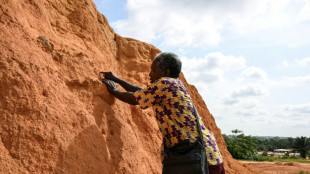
point(55, 116)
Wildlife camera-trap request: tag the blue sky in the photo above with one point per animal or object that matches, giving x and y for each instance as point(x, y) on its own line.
point(250, 60)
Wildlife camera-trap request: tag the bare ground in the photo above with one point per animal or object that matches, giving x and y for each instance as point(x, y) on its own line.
point(279, 167)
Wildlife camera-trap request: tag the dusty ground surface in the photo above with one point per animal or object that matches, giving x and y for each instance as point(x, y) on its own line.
point(279, 167)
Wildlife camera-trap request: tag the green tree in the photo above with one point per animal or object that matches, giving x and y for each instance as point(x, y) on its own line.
point(290, 141)
point(302, 144)
point(237, 131)
point(241, 146)
point(269, 144)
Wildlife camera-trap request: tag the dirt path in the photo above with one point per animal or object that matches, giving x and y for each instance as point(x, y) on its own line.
point(279, 167)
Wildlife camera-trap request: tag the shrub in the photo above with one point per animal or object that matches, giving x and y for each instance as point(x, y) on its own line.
point(294, 157)
point(265, 153)
point(264, 158)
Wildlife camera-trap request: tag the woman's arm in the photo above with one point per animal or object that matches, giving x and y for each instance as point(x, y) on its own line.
point(126, 85)
point(126, 97)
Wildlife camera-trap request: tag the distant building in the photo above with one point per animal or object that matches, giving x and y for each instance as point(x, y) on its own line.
point(281, 152)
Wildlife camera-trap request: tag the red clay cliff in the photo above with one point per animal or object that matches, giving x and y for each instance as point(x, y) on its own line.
point(55, 115)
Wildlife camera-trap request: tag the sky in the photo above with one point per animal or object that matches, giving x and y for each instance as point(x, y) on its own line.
point(249, 60)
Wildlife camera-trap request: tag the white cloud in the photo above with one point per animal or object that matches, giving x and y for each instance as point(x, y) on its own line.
point(249, 91)
point(294, 81)
point(244, 94)
point(304, 62)
point(285, 63)
point(176, 23)
point(230, 101)
point(199, 23)
point(284, 82)
point(304, 13)
point(300, 109)
point(248, 107)
point(254, 73)
point(212, 67)
point(250, 104)
point(217, 60)
point(249, 113)
point(265, 15)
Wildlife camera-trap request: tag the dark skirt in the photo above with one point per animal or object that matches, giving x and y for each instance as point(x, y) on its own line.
point(217, 169)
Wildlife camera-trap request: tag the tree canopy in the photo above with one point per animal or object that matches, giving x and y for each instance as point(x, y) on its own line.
point(246, 147)
point(302, 144)
point(241, 146)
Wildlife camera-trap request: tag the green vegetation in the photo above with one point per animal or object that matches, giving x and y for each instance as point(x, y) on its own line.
point(302, 172)
point(246, 147)
point(282, 159)
point(241, 146)
point(303, 145)
point(269, 144)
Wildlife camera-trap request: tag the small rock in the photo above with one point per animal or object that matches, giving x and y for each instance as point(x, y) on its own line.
point(45, 43)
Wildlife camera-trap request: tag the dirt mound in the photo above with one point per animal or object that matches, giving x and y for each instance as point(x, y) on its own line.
point(55, 116)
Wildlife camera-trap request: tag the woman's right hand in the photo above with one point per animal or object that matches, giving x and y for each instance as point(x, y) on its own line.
point(109, 76)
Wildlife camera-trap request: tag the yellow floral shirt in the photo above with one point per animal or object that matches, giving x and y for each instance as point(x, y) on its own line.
point(175, 115)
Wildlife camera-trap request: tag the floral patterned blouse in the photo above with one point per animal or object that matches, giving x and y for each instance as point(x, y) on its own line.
point(175, 115)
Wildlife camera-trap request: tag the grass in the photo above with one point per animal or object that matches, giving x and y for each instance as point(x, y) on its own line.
point(302, 172)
